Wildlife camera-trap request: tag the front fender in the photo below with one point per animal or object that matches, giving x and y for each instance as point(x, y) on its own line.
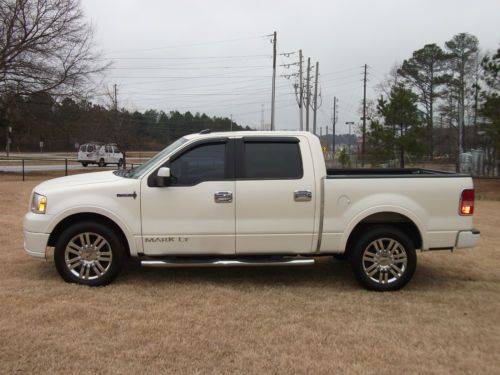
point(135, 244)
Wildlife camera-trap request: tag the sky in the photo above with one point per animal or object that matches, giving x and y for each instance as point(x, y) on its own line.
point(215, 57)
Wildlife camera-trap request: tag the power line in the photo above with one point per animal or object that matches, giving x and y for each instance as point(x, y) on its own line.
point(191, 57)
point(191, 44)
point(187, 68)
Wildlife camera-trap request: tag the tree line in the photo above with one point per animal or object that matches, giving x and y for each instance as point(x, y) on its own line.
point(62, 125)
point(442, 101)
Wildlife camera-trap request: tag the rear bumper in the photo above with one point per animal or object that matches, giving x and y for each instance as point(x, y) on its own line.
point(467, 239)
point(35, 244)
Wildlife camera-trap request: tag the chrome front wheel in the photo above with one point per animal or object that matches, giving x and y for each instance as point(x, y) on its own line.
point(89, 253)
point(88, 256)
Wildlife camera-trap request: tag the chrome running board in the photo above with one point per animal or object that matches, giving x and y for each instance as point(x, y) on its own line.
point(221, 262)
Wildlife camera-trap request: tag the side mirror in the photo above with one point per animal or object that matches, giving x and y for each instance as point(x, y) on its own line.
point(163, 177)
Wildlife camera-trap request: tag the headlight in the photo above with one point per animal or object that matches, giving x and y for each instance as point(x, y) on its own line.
point(38, 203)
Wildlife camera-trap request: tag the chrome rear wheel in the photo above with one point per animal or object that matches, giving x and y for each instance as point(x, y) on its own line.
point(384, 258)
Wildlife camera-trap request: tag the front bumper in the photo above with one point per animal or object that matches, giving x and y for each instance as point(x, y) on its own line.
point(35, 244)
point(467, 239)
point(35, 228)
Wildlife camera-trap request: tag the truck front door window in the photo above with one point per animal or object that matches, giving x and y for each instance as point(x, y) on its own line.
point(203, 163)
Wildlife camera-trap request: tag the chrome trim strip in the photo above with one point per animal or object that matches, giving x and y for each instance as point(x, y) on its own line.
point(177, 263)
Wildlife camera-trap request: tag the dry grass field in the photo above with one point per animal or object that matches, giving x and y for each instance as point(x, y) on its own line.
point(313, 320)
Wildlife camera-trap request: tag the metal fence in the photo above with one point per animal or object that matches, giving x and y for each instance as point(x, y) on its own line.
point(49, 166)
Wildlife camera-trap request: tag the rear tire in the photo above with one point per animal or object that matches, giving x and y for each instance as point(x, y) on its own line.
point(384, 259)
point(120, 163)
point(84, 163)
point(89, 253)
point(102, 163)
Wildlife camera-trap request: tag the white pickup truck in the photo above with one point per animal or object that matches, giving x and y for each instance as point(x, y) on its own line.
point(248, 198)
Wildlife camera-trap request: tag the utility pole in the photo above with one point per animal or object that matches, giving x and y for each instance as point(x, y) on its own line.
point(8, 140)
point(364, 121)
point(315, 109)
point(349, 123)
point(117, 129)
point(231, 122)
point(274, 82)
point(262, 117)
point(115, 95)
point(308, 92)
point(301, 92)
point(334, 122)
point(460, 135)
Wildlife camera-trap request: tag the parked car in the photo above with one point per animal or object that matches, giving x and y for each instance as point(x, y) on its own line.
point(249, 199)
point(100, 154)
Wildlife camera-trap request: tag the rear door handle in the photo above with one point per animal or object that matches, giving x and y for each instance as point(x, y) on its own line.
point(223, 196)
point(302, 195)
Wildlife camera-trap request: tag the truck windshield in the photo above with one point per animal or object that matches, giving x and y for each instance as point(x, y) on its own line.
point(136, 172)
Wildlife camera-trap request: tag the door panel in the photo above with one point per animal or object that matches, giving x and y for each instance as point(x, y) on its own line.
point(187, 220)
point(195, 214)
point(270, 216)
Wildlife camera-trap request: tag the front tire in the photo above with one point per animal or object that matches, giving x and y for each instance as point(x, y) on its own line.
point(84, 163)
point(89, 253)
point(341, 257)
point(102, 163)
point(384, 259)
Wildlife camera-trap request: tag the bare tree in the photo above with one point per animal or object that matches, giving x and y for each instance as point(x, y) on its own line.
point(462, 54)
point(390, 80)
point(46, 46)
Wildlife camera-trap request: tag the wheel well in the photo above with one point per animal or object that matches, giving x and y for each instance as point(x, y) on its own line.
point(86, 216)
point(392, 219)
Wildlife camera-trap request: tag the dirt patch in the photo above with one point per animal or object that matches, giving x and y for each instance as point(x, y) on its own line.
point(257, 320)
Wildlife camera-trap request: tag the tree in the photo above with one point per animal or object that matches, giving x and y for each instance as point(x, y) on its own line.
point(462, 54)
point(381, 142)
point(344, 158)
point(424, 71)
point(401, 115)
point(490, 107)
point(390, 80)
point(46, 46)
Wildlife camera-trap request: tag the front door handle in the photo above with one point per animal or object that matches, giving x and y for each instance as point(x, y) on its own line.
point(302, 195)
point(223, 196)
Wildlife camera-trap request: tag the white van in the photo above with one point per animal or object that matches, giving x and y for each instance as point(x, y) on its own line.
point(101, 154)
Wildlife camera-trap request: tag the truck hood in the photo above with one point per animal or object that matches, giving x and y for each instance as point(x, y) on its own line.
point(77, 180)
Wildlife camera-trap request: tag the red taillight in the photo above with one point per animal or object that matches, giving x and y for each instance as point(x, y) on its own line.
point(467, 202)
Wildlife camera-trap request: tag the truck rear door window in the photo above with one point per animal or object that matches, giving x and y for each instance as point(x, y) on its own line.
point(272, 160)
